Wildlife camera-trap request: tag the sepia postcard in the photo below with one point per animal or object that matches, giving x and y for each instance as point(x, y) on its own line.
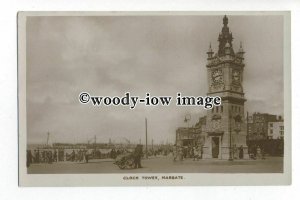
point(154, 98)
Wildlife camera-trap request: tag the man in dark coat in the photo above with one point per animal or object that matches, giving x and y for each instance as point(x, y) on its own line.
point(241, 152)
point(29, 158)
point(138, 154)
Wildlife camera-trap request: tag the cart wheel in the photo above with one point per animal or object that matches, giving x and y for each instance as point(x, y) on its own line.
point(121, 166)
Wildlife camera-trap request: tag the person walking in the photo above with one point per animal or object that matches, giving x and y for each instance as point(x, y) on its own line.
point(73, 156)
point(175, 152)
point(241, 152)
point(50, 157)
point(29, 158)
point(86, 156)
point(37, 156)
point(254, 152)
point(138, 154)
point(181, 153)
point(195, 153)
point(201, 151)
point(258, 152)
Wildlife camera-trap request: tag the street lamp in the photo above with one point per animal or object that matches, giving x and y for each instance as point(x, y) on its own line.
point(230, 139)
point(187, 118)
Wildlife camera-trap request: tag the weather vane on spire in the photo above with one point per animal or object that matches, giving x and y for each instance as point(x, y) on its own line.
point(225, 20)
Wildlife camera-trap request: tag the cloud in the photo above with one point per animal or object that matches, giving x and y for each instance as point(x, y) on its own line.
point(162, 55)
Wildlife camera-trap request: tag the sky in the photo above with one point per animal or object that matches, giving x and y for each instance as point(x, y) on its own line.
point(163, 55)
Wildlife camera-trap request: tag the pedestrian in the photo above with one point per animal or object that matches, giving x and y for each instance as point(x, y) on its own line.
point(175, 152)
point(81, 155)
point(201, 151)
point(34, 157)
point(86, 156)
point(196, 153)
point(113, 154)
point(181, 153)
point(37, 156)
point(184, 152)
point(55, 156)
point(73, 156)
point(258, 152)
point(234, 151)
point(241, 152)
point(29, 158)
point(254, 152)
point(137, 155)
point(50, 157)
point(263, 154)
point(191, 152)
point(43, 156)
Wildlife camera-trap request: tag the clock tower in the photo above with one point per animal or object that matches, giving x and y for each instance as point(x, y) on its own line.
point(225, 126)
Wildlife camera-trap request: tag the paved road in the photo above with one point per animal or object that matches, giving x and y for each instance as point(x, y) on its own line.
point(164, 165)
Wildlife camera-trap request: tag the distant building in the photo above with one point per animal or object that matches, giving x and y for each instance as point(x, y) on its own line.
point(260, 126)
point(191, 136)
point(267, 132)
point(188, 136)
point(276, 129)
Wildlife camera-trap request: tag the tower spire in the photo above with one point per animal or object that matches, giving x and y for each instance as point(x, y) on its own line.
point(225, 37)
point(225, 20)
point(241, 50)
point(210, 52)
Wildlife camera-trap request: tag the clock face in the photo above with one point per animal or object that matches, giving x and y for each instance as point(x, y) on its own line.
point(217, 76)
point(216, 124)
point(236, 76)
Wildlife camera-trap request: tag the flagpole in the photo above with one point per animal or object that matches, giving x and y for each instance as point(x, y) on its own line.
point(146, 139)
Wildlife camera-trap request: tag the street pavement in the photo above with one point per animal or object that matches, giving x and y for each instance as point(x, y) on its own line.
point(164, 165)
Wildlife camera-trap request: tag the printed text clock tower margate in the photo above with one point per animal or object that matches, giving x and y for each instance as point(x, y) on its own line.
point(226, 128)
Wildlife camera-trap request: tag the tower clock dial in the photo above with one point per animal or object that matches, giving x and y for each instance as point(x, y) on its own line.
point(216, 124)
point(217, 76)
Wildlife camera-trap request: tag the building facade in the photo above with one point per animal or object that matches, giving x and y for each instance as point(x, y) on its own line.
point(257, 125)
point(276, 130)
point(188, 136)
point(267, 132)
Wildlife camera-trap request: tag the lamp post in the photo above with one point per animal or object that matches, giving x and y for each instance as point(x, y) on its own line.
point(187, 118)
point(230, 139)
point(146, 138)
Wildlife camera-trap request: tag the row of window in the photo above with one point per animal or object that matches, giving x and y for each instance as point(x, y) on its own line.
point(281, 127)
point(220, 109)
point(236, 108)
point(281, 132)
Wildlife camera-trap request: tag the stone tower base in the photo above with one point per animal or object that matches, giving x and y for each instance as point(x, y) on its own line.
point(224, 153)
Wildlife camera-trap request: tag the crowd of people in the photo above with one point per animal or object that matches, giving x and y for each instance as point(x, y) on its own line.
point(181, 152)
point(256, 152)
point(196, 152)
point(74, 155)
point(84, 155)
point(43, 156)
